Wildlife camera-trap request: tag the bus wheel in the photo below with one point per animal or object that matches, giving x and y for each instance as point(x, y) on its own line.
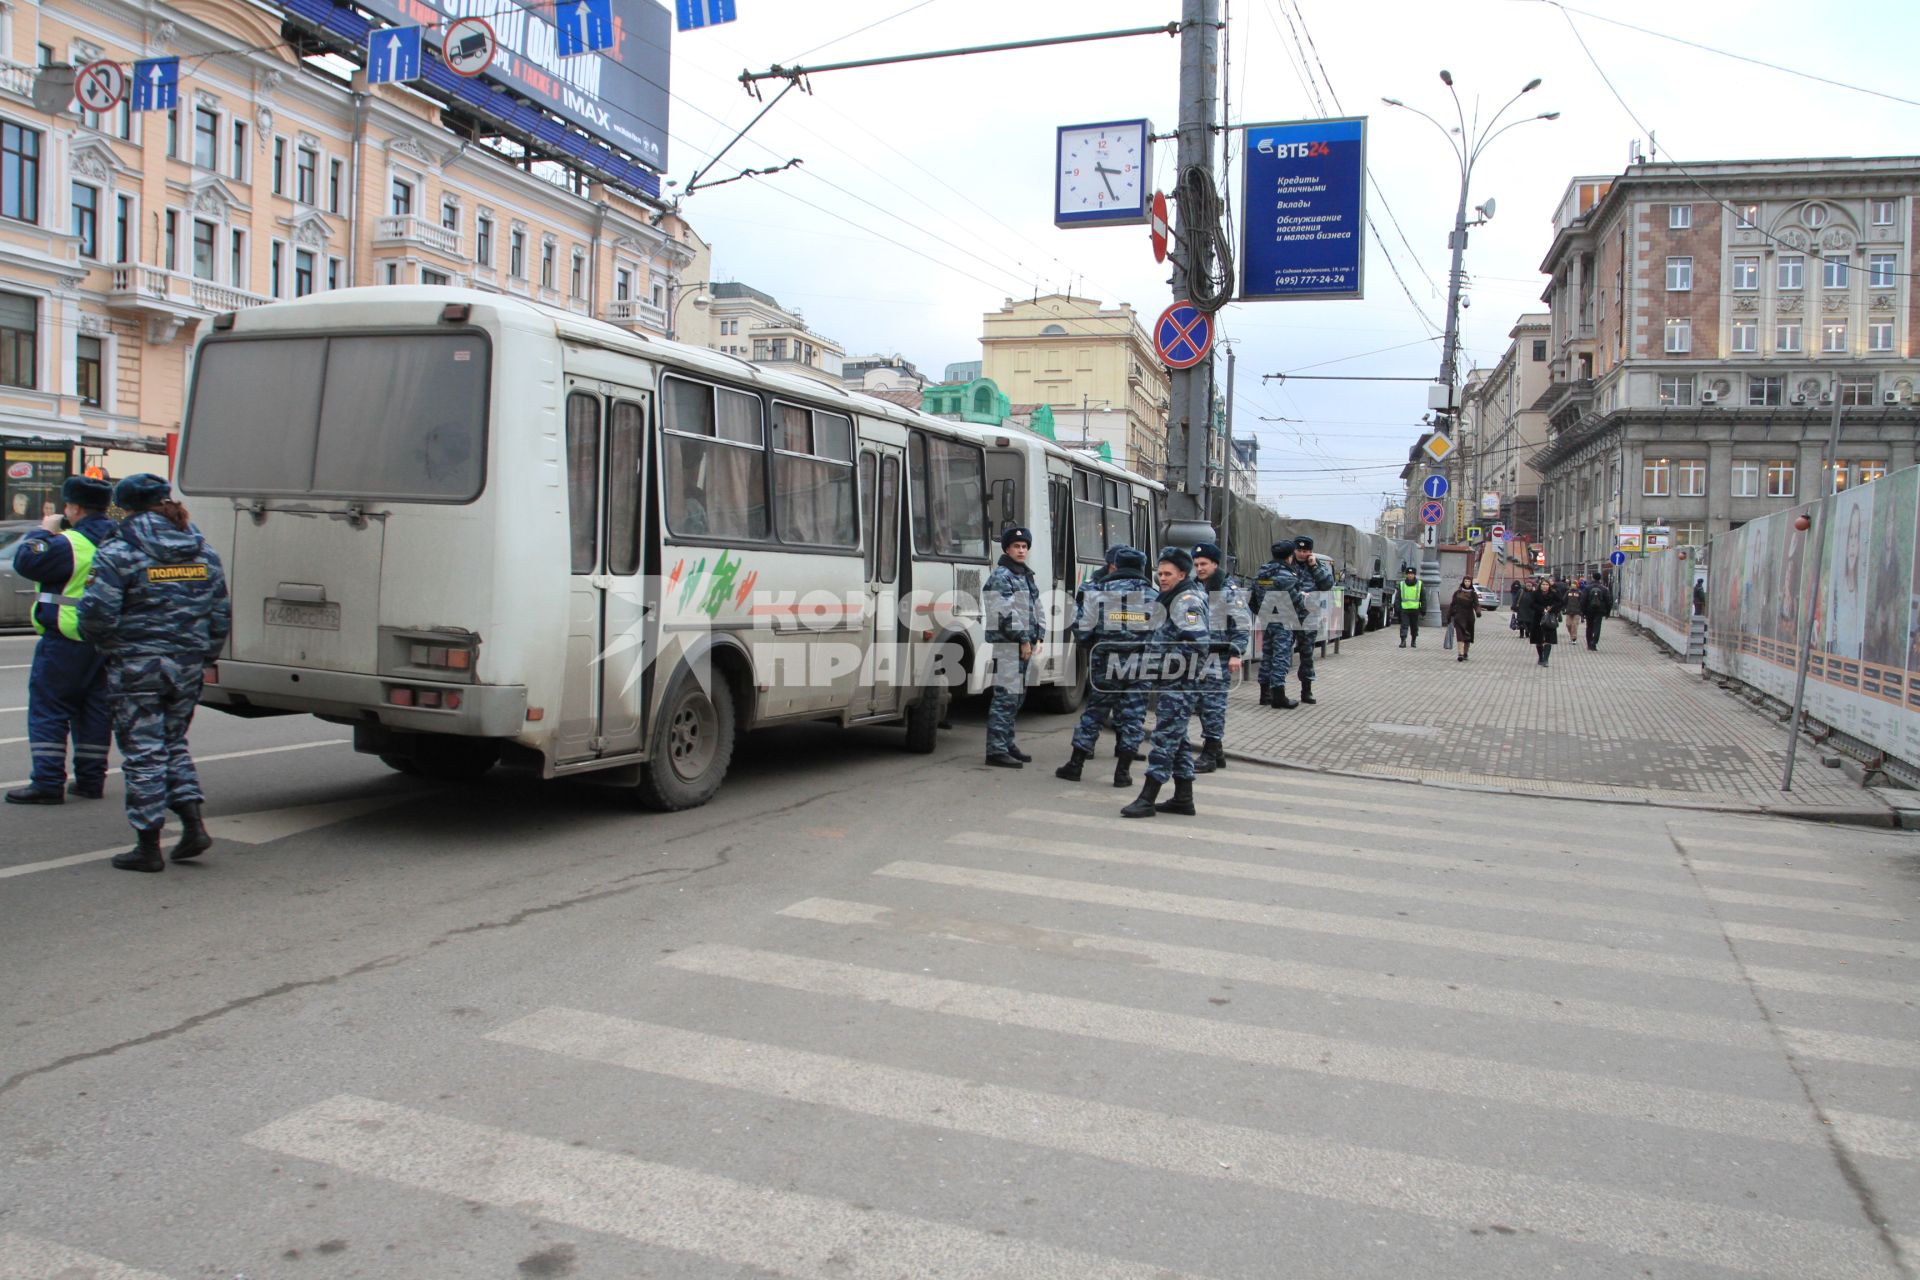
point(692, 745)
point(447, 759)
point(923, 719)
point(401, 764)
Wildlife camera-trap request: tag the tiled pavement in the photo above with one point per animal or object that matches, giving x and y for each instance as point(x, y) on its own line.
point(1624, 722)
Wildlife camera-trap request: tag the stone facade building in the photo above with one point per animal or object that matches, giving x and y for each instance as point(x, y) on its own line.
point(1705, 321)
point(1502, 432)
point(743, 321)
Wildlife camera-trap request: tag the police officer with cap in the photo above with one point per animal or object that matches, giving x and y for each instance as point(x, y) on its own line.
point(1278, 603)
point(1014, 627)
point(1231, 634)
point(1115, 617)
point(1315, 574)
point(67, 691)
point(158, 609)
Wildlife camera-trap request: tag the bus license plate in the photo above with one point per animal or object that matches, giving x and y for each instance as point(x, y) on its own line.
point(296, 613)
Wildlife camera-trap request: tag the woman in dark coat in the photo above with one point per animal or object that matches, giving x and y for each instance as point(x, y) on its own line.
point(1462, 608)
point(1539, 614)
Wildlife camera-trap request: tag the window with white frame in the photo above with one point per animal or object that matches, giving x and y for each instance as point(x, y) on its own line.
point(125, 230)
point(546, 264)
point(1868, 472)
point(333, 186)
point(1880, 335)
point(170, 239)
point(517, 254)
point(622, 284)
point(205, 236)
point(1817, 215)
point(402, 198)
point(237, 152)
point(237, 259)
point(1786, 336)
point(1679, 274)
point(1679, 337)
point(483, 239)
point(393, 273)
point(1656, 477)
point(1833, 336)
point(1690, 477)
point(86, 219)
point(302, 272)
point(1676, 389)
point(1746, 273)
point(19, 341)
point(206, 138)
point(450, 215)
point(275, 267)
point(1855, 392)
point(429, 276)
point(1764, 390)
point(306, 175)
point(173, 132)
point(1880, 270)
point(1883, 213)
point(19, 172)
point(279, 166)
point(1679, 216)
point(334, 280)
point(1746, 216)
point(1833, 275)
point(1792, 269)
point(1782, 474)
point(1746, 478)
point(577, 279)
point(86, 370)
point(1745, 335)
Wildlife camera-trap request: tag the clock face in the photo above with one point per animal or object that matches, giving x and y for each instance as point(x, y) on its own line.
point(1102, 174)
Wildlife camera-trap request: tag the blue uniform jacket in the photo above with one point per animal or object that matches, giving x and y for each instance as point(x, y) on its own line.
point(1184, 618)
point(1229, 613)
point(1013, 605)
point(1117, 606)
point(1280, 576)
point(47, 558)
point(158, 592)
point(1317, 576)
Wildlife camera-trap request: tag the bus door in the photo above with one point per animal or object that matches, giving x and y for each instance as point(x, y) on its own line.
point(888, 667)
point(609, 634)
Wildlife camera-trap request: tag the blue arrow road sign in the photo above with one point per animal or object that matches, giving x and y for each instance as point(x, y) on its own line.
point(1435, 486)
point(703, 13)
point(585, 25)
point(393, 54)
point(156, 84)
point(1618, 557)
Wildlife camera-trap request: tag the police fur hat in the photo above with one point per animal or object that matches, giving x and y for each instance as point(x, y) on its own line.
point(1208, 551)
point(86, 493)
point(139, 492)
point(1282, 549)
point(1118, 549)
point(1178, 557)
point(1128, 560)
point(1016, 533)
point(1303, 542)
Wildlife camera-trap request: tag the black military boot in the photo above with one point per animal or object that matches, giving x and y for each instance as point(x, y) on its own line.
point(1266, 695)
point(1217, 753)
point(35, 795)
point(1306, 693)
point(1143, 806)
point(1019, 755)
point(194, 839)
point(1206, 757)
point(144, 856)
point(1002, 760)
point(1280, 699)
point(1070, 771)
point(82, 789)
point(1123, 768)
point(1182, 802)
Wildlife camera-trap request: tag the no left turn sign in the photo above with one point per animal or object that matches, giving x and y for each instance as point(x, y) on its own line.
point(100, 85)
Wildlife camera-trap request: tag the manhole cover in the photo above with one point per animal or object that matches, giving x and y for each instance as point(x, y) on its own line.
point(1405, 730)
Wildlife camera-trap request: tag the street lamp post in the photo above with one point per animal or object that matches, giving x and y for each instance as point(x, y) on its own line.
point(676, 294)
point(1469, 141)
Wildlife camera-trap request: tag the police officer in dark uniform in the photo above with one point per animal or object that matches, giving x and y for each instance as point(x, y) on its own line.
point(1015, 626)
point(1180, 639)
point(67, 690)
point(1115, 617)
point(1315, 574)
point(157, 608)
point(1278, 602)
point(1231, 621)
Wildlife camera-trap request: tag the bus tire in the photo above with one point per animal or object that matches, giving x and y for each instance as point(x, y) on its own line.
point(449, 759)
point(692, 745)
point(923, 720)
point(401, 764)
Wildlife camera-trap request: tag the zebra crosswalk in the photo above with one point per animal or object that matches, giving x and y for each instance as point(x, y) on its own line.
point(1227, 1047)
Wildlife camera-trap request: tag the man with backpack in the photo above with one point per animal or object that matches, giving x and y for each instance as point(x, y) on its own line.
point(1597, 604)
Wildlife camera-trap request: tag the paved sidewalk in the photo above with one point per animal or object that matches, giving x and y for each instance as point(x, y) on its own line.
point(1625, 722)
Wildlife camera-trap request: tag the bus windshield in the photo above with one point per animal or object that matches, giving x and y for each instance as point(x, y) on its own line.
point(397, 415)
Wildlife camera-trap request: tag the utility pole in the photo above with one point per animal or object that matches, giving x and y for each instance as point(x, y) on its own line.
point(1190, 415)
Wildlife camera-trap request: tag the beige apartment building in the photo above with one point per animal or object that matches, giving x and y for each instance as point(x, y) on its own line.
point(1094, 366)
point(1503, 431)
point(273, 177)
point(745, 322)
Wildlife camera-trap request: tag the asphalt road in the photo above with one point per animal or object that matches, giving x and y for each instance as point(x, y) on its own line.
point(878, 1015)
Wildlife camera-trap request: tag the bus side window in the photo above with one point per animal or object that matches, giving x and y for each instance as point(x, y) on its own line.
point(626, 434)
point(1143, 525)
point(715, 461)
point(888, 537)
point(583, 478)
point(867, 490)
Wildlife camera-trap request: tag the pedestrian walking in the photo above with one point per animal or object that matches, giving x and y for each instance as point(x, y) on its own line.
point(1115, 616)
point(1540, 616)
point(1014, 627)
point(1315, 574)
point(1576, 607)
point(1277, 602)
point(158, 610)
point(1598, 605)
point(1230, 633)
point(1462, 608)
point(1180, 632)
point(1410, 598)
point(67, 686)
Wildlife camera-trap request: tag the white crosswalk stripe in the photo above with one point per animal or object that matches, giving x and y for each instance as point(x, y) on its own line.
point(790, 1233)
point(1509, 1083)
point(24, 1257)
point(1448, 1190)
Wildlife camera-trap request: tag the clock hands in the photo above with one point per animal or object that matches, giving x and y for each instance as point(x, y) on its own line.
point(1103, 171)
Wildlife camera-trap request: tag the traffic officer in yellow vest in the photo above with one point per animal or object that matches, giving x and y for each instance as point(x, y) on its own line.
point(67, 692)
point(1411, 597)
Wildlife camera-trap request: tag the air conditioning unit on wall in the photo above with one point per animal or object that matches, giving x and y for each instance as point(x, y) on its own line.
point(1889, 397)
point(1709, 397)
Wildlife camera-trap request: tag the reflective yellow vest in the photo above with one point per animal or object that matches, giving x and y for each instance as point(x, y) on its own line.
point(68, 597)
point(1410, 593)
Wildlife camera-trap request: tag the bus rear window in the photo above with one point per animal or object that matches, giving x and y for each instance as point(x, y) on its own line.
point(399, 416)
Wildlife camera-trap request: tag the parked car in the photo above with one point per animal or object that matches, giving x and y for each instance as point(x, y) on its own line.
point(16, 593)
point(1489, 598)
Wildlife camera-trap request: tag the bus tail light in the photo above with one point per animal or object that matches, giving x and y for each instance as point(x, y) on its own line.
point(400, 695)
point(441, 656)
point(211, 675)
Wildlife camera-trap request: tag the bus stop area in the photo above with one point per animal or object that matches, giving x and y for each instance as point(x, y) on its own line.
point(1626, 722)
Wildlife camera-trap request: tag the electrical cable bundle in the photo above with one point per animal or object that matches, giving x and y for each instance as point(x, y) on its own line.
point(1209, 249)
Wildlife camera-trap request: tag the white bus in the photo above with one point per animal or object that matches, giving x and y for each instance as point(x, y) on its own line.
point(480, 530)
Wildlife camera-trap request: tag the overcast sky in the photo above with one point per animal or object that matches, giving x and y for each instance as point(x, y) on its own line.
point(952, 161)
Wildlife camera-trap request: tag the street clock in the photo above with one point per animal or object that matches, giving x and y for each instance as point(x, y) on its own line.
point(1100, 174)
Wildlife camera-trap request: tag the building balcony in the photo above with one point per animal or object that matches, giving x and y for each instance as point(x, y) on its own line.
point(170, 301)
point(414, 232)
point(636, 313)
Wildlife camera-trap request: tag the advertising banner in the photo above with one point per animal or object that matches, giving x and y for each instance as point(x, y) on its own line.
point(32, 482)
point(1304, 210)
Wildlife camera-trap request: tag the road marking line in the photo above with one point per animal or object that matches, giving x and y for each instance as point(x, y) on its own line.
point(1678, 885)
point(4, 710)
point(17, 666)
point(226, 755)
point(1437, 894)
point(27, 1258)
point(1455, 1075)
point(8, 742)
point(791, 1233)
point(1447, 1191)
point(1474, 941)
point(1435, 993)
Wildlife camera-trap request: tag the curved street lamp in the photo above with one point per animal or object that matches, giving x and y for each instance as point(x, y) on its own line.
point(677, 292)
